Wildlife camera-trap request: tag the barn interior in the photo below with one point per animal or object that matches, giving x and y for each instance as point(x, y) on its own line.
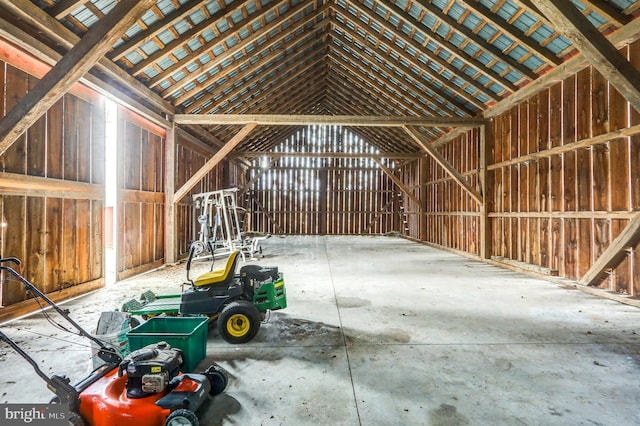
point(463, 166)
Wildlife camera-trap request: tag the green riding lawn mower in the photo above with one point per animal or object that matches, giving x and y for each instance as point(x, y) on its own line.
point(238, 302)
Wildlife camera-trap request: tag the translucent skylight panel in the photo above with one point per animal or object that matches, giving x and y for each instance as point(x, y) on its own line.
point(133, 57)
point(194, 44)
point(197, 17)
point(149, 48)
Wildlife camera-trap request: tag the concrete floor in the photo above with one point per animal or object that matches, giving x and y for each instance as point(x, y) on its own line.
point(383, 331)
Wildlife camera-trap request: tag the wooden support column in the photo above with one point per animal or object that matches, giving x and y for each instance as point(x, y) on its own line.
point(614, 254)
point(422, 165)
point(170, 231)
point(213, 161)
point(460, 180)
point(77, 62)
point(595, 47)
point(398, 183)
point(486, 141)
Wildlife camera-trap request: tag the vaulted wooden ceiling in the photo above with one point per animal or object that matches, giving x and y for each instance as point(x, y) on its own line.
point(440, 59)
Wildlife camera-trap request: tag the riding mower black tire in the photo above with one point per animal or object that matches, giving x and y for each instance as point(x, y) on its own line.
point(182, 417)
point(239, 322)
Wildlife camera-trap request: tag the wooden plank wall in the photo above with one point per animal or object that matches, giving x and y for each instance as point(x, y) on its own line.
point(52, 191)
point(566, 169)
point(318, 196)
point(452, 217)
point(190, 157)
point(140, 195)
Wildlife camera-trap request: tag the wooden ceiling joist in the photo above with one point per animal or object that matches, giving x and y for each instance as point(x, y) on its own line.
point(332, 120)
point(73, 65)
point(276, 154)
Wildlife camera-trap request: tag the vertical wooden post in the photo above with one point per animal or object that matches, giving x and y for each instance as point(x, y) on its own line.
point(486, 139)
point(170, 230)
point(422, 179)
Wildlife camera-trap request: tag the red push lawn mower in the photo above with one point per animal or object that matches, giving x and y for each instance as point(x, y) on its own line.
point(146, 388)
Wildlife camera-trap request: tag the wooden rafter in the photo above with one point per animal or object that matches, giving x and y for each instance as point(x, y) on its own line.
point(511, 31)
point(595, 47)
point(212, 162)
point(65, 7)
point(46, 25)
point(606, 10)
point(181, 65)
point(461, 54)
point(460, 180)
point(423, 72)
point(624, 35)
point(73, 65)
point(161, 25)
point(252, 68)
point(282, 75)
point(383, 24)
point(490, 48)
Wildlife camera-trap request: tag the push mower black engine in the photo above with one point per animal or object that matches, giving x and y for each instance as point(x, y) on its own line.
point(151, 369)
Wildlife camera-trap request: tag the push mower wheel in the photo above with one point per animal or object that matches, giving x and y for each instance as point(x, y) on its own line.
point(182, 417)
point(218, 377)
point(76, 420)
point(239, 322)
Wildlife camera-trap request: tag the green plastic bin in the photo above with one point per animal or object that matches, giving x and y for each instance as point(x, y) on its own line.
point(186, 333)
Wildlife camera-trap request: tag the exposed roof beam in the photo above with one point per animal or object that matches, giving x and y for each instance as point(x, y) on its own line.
point(73, 65)
point(339, 120)
point(65, 7)
point(490, 48)
point(432, 152)
point(373, 17)
point(221, 93)
point(47, 26)
point(599, 51)
point(157, 27)
point(242, 44)
point(624, 35)
point(424, 72)
point(212, 162)
point(608, 11)
point(461, 54)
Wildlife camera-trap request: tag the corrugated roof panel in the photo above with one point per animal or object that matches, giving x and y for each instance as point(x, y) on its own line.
point(149, 48)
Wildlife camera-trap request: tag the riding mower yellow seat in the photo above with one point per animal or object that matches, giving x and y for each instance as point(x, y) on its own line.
point(220, 278)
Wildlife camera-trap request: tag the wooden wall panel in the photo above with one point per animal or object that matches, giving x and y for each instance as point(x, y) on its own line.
point(140, 195)
point(190, 157)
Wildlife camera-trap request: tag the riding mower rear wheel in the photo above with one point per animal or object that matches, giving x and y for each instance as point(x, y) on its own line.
point(239, 322)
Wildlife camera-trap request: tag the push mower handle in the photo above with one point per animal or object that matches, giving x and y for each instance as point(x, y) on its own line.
point(10, 259)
